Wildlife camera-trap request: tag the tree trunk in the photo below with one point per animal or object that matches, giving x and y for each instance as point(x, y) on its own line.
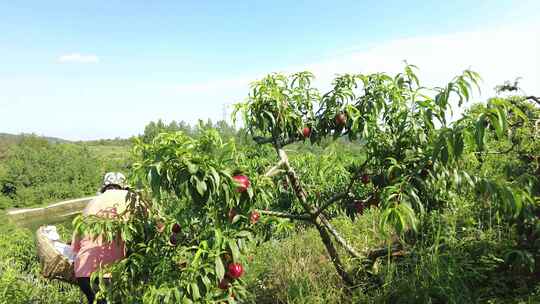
point(334, 256)
point(319, 221)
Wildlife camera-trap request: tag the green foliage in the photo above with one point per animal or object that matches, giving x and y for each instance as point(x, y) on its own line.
point(35, 172)
point(383, 166)
point(153, 129)
point(20, 280)
point(454, 262)
point(190, 184)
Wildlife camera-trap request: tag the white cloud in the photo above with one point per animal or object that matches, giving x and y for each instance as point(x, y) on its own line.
point(498, 54)
point(78, 58)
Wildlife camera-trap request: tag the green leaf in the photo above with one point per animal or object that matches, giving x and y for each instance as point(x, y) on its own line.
point(201, 187)
point(234, 250)
point(195, 291)
point(220, 269)
point(192, 168)
point(480, 132)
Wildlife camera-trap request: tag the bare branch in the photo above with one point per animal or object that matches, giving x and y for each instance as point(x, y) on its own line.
point(340, 268)
point(269, 140)
point(295, 181)
point(302, 217)
point(339, 238)
point(534, 98)
point(336, 197)
point(318, 221)
point(342, 195)
point(394, 250)
point(314, 212)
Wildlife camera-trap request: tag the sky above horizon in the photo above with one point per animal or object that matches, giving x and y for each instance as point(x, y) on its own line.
point(104, 69)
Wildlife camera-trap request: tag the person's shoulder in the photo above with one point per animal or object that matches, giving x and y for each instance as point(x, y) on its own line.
point(116, 193)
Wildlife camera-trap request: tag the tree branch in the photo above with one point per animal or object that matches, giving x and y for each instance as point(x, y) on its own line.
point(339, 238)
point(394, 250)
point(302, 217)
point(269, 140)
point(275, 170)
point(336, 197)
point(314, 212)
point(534, 98)
point(322, 227)
point(327, 241)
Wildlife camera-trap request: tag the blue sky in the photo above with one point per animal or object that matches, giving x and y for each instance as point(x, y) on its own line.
point(85, 70)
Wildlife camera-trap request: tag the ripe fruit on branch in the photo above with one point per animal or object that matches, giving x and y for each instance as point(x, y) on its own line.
point(224, 284)
point(242, 181)
point(175, 228)
point(235, 270)
point(254, 217)
point(173, 240)
point(306, 132)
point(365, 179)
point(341, 119)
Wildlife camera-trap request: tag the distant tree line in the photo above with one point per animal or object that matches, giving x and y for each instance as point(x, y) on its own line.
point(38, 170)
point(35, 171)
point(225, 129)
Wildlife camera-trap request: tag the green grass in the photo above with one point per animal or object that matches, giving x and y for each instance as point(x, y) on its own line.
point(118, 153)
point(456, 267)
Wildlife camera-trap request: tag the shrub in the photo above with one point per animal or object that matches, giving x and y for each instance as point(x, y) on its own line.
point(20, 280)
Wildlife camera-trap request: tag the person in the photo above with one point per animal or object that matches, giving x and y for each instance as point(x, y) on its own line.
point(91, 253)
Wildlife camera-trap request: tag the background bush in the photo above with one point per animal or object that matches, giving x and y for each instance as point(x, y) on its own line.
point(35, 171)
point(20, 279)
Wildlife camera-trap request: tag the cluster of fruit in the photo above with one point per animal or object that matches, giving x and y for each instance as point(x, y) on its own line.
point(341, 121)
point(243, 185)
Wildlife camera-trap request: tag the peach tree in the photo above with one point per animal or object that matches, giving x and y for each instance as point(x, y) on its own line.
point(412, 160)
point(189, 228)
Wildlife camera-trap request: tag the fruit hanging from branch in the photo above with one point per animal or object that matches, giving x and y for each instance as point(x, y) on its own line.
point(365, 179)
point(224, 284)
point(173, 240)
point(176, 228)
point(359, 207)
point(232, 214)
point(242, 181)
point(341, 119)
point(235, 270)
point(306, 132)
point(254, 217)
point(160, 227)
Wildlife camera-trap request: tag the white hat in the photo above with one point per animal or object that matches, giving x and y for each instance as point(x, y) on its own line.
point(113, 178)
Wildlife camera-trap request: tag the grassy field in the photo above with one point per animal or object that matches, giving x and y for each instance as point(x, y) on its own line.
point(469, 269)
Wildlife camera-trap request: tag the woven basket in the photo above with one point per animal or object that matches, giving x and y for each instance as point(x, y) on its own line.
point(53, 264)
